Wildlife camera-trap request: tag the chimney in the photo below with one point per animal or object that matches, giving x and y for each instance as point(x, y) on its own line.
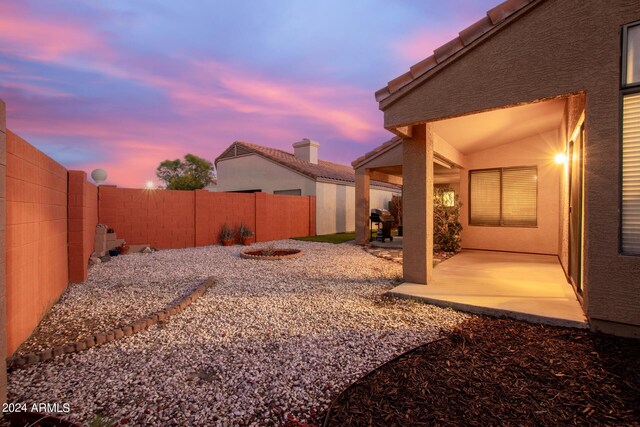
point(306, 150)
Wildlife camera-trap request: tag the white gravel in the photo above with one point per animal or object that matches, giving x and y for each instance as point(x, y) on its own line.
point(116, 293)
point(272, 340)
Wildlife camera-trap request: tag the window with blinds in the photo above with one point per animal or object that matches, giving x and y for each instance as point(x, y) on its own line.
point(503, 197)
point(631, 174)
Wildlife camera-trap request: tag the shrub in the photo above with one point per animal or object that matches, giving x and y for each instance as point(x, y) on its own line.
point(395, 208)
point(446, 219)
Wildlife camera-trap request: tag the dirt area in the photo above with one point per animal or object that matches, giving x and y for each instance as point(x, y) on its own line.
point(502, 372)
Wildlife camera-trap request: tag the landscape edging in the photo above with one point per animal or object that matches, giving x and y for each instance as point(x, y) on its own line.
point(100, 338)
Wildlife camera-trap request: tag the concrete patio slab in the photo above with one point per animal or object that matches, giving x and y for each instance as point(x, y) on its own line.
point(521, 286)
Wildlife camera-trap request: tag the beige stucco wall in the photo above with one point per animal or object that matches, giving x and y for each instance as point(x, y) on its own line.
point(559, 47)
point(335, 206)
point(253, 172)
point(537, 151)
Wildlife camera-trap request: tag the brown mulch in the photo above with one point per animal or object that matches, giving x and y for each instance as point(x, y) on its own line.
point(501, 372)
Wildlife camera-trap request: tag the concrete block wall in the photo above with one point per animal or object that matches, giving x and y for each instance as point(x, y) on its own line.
point(82, 199)
point(36, 237)
point(215, 209)
point(163, 219)
point(179, 219)
point(281, 217)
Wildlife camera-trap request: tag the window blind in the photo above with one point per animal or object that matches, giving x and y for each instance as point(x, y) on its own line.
point(519, 194)
point(484, 193)
point(631, 174)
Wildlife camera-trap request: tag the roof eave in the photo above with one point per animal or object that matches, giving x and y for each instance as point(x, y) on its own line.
point(477, 33)
point(375, 154)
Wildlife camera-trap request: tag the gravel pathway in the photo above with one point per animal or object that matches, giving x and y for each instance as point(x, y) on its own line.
point(273, 340)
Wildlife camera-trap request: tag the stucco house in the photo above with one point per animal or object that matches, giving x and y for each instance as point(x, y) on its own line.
point(245, 167)
point(532, 114)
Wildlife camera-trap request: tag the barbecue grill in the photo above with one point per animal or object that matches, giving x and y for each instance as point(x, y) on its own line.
point(383, 219)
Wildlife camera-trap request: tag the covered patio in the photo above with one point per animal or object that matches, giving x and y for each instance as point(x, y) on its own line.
point(522, 286)
point(515, 258)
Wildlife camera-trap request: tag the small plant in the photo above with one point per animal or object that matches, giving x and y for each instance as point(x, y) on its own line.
point(245, 231)
point(269, 250)
point(226, 233)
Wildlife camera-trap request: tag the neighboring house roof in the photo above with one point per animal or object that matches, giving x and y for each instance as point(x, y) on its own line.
point(380, 149)
point(323, 170)
point(444, 55)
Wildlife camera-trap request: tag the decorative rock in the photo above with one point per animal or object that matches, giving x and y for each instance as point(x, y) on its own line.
point(80, 345)
point(118, 333)
point(139, 326)
point(100, 338)
point(69, 348)
point(90, 341)
point(46, 355)
point(127, 330)
point(32, 358)
point(271, 341)
point(58, 351)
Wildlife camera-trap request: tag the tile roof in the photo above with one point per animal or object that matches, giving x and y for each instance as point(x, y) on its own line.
point(323, 170)
point(378, 150)
point(494, 18)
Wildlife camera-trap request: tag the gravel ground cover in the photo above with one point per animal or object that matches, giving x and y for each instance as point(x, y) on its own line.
point(502, 372)
point(272, 341)
point(117, 292)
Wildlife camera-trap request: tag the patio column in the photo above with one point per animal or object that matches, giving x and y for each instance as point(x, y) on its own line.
point(363, 182)
point(417, 205)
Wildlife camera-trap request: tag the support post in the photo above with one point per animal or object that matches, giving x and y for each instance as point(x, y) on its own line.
point(363, 186)
point(417, 205)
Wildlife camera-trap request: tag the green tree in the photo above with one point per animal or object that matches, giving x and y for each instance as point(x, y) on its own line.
point(192, 173)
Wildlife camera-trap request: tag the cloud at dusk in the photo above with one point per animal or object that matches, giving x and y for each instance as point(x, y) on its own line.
point(125, 85)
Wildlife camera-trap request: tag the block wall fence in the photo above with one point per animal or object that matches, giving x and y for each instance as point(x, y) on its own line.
point(48, 216)
point(168, 219)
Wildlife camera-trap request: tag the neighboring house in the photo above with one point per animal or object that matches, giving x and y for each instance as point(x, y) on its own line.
point(245, 167)
point(533, 115)
point(212, 186)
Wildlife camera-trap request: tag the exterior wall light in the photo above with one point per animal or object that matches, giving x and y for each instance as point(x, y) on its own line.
point(561, 158)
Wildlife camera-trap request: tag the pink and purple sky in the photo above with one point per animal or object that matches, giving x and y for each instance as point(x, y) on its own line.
point(123, 85)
